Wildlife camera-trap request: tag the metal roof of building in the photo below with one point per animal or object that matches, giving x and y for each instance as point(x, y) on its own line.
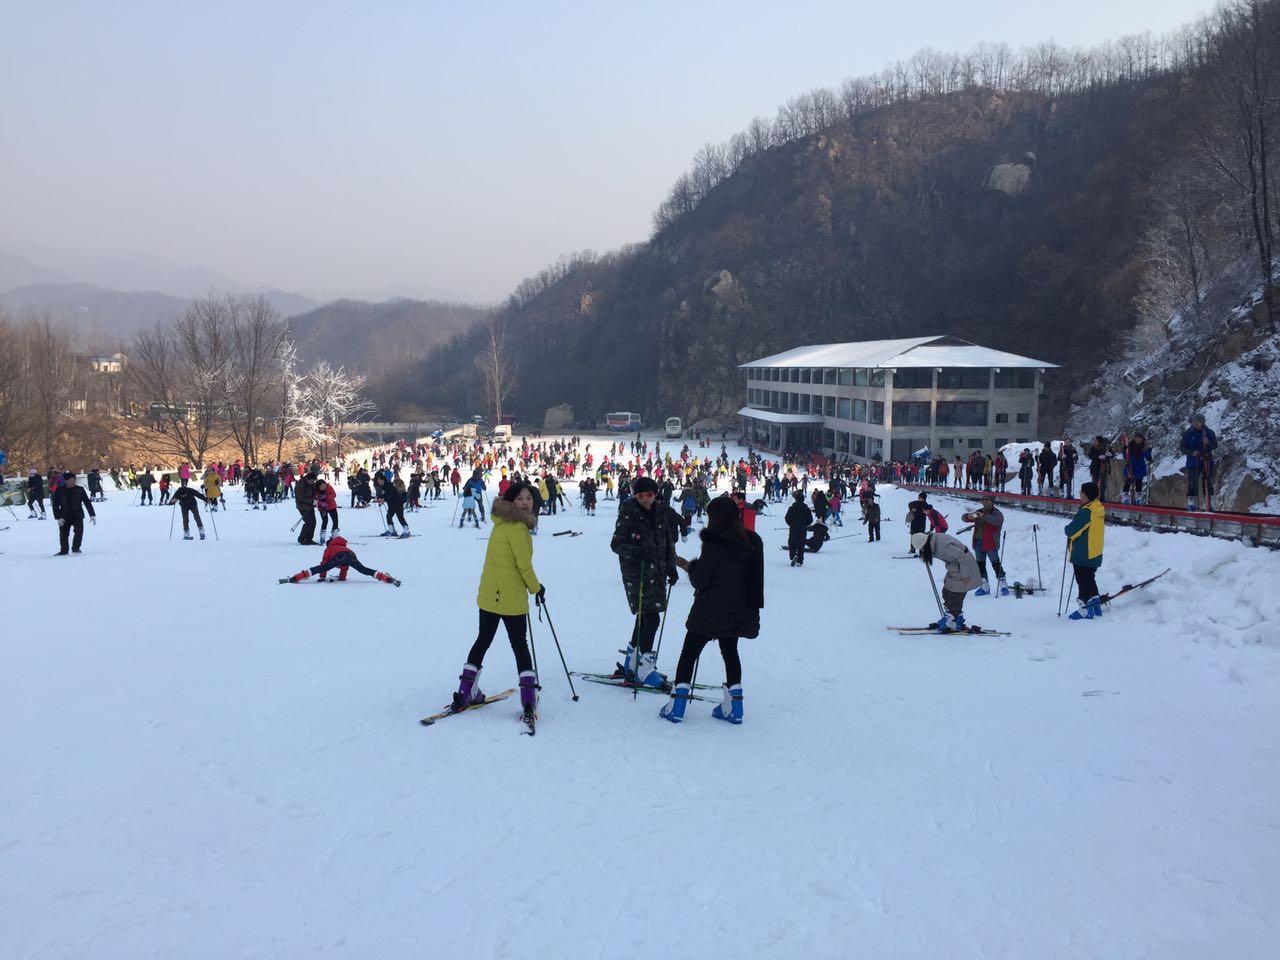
point(803, 419)
point(944, 351)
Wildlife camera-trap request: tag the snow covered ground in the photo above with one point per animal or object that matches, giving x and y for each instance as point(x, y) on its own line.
point(200, 763)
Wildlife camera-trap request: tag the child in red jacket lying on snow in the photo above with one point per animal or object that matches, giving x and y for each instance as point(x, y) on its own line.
point(337, 555)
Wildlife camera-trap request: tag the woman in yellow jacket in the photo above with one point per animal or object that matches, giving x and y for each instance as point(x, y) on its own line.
point(505, 584)
point(213, 489)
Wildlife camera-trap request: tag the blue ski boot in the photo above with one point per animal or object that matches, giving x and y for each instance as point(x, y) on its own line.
point(1003, 586)
point(731, 708)
point(984, 590)
point(673, 709)
point(1083, 613)
point(647, 674)
point(1095, 607)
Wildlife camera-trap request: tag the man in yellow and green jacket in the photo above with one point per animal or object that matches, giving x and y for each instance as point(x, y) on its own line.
point(1084, 542)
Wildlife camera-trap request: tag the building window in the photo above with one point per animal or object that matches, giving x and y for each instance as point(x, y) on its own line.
point(962, 413)
point(842, 408)
point(842, 442)
point(877, 378)
point(946, 444)
point(1015, 379)
point(804, 403)
point(877, 411)
point(903, 447)
point(829, 377)
point(1002, 418)
point(875, 448)
point(1000, 442)
point(804, 375)
point(914, 378)
point(860, 411)
point(829, 439)
point(859, 445)
point(828, 408)
point(860, 377)
point(909, 414)
point(1024, 418)
point(846, 376)
point(773, 399)
point(975, 444)
point(964, 378)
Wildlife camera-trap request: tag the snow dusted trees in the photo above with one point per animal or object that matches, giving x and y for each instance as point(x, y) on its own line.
point(497, 365)
point(226, 369)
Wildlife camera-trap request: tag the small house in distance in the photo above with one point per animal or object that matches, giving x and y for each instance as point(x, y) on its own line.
point(885, 399)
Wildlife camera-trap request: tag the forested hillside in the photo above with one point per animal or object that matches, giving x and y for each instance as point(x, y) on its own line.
point(1011, 200)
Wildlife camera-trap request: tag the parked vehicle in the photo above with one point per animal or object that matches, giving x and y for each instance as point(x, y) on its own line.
point(674, 429)
point(623, 421)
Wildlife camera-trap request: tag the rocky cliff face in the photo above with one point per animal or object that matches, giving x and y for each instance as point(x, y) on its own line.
point(1229, 373)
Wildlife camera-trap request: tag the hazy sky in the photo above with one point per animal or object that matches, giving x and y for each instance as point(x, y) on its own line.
point(336, 147)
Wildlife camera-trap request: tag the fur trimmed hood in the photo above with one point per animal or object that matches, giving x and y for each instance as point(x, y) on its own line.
point(508, 511)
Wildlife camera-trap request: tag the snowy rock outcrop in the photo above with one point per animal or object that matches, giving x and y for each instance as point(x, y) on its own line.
point(559, 417)
point(1011, 179)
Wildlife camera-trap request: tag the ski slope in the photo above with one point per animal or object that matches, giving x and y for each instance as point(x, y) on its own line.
point(201, 763)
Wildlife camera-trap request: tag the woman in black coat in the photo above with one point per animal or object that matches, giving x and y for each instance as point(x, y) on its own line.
point(729, 580)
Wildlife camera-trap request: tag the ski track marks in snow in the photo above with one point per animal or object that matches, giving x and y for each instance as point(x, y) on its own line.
point(201, 762)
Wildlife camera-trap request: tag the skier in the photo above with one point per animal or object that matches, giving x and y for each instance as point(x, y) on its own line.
point(820, 535)
point(304, 499)
point(871, 517)
point(186, 497)
point(798, 519)
point(213, 489)
point(338, 556)
point(35, 494)
point(1046, 461)
point(506, 581)
point(1026, 469)
point(962, 574)
point(1198, 443)
point(165, 481)
point(326, 502)
point(987, 522)
point(1137, 464)
point(917, 518)
point(646, 559)
point(476, 483)
point(68, 504)
point(145, 480)
point(94, 480)
point(1067, 458)
point(728, 578)
point(1084, 541)
point(588, 489)
point(393, 499)
point(469, 508)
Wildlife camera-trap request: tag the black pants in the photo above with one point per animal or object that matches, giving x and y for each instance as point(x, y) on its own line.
point(32, 502)
point(344, 559)
point(164, 497)
point(692, 649)
point(396, 513)
point(645, 629)
point(982, 556)
point(145, 496)
point(515, 624)
point(1086, 581)
point(795, 544)
point(64, 533)
point(326, 516)
point(873, 530)
point(188, 510)
point(308, 524)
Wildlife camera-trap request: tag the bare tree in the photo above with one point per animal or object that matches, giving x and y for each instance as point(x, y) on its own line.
point(15, 405)
point(50, 381)
point(330, 400)
point(497, 365)
point(255, 338)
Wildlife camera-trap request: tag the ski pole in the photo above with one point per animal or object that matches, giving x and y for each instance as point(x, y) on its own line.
point(567, 675)
point(635, 640)
point(533, 648)
point(937, 598)
point(662, 626)
point(295, 526)
point(214, 520)
point(1036, 540)
point(172, 514)
point(1063, 585)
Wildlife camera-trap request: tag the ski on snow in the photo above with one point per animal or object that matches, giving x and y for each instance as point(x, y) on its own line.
point(449, 711)
point(611, 681)
point(973, 631)
point(1108, 597)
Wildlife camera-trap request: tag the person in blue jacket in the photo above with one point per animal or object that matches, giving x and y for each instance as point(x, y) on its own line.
point(1198, 443)
point(476, 485)
point(1084, 542)
point(1137, 464)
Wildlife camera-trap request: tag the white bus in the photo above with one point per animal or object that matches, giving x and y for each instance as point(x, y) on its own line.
point(674, 430)
point(622, 421)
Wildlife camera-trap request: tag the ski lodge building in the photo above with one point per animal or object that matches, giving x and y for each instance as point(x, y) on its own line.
point(886, 399)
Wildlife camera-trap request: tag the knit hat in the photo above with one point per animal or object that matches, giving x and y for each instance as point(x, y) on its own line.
point(644, 485)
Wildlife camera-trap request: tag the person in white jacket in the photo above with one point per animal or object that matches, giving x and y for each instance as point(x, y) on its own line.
point(962, 574)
